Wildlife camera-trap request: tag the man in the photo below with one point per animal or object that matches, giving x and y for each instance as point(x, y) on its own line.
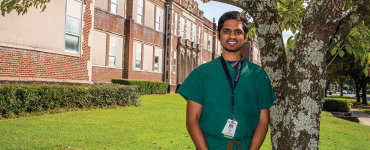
point(228, 98)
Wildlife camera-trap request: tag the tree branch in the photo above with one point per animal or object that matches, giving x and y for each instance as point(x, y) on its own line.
point(337, 53)
point(360, 12)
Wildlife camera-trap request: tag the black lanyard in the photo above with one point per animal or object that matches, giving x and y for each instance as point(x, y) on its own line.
point(238, 71)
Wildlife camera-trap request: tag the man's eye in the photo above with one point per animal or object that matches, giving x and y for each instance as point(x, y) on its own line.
point(226, 31)
point(239, 32)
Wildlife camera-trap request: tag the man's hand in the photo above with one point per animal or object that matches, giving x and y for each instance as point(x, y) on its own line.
point(193, 113)
point(261, 130)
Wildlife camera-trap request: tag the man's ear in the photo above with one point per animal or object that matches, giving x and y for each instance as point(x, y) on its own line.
point(218, 36)
point(246, 36)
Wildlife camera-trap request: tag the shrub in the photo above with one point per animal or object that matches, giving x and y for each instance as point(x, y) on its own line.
point(146, 87)
point(341, 105)
point(16, 100)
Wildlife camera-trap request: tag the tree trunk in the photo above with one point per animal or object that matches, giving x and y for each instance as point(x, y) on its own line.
point(299, 88)
point(358, 92)
point(364, 97)
point(341, 87)
point(326, 90)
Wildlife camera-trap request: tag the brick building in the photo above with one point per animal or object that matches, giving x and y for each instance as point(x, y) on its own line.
point(87, 41)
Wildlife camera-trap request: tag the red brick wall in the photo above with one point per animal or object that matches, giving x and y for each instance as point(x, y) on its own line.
point(142, 75)
point(108, 22)
point(148, 35)
point(33, 64)
point(208, 23)
point(105, 74)
point(206, 55)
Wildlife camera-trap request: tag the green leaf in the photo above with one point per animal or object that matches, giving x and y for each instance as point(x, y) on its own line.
point(341, 53)
point(358, 49)
point(297, 19)
point(348, 48)
point(366, 71)
point(293, 29)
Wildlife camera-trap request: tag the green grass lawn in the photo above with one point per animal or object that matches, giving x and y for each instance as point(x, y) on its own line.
point(159, 123)
point(366, 109)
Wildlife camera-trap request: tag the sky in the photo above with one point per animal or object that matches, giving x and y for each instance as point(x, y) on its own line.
point(214, 9)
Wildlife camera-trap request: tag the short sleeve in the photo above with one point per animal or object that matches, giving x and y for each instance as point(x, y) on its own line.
point(192, 87)
point(268, 94)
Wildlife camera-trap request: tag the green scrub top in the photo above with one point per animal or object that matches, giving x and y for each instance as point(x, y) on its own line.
point(208, 86)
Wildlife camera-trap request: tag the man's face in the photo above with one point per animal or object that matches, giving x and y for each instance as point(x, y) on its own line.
point(232, 35)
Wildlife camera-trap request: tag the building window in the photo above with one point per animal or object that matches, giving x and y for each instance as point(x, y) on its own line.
point(182, 27)
point(176, 24)
point(113, 6)
point(174, 64)
point(156, 63)
point(112, 50)
point(140, 10)
point(209, 43)
point(73, 27)
point(216, 47)
point(194, 29)
point(158, 20)
point(138, 56)
point(200, 35)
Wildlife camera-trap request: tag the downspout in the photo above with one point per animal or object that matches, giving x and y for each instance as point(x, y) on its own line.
point(165, 46)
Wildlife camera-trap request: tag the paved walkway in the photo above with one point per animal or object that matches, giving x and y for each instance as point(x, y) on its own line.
point(362, 116)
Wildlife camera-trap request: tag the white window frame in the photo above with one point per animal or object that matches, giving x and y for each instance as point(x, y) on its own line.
point(111, 48)
point(156, 64)
point(209, 43)
point(114, 4)
point(194, 32)
point(141, 13)
point(200, 35)
point(138, 57)
point(73, 34)
point(182, 27)
point(158, 20)
point(174, 64)
point(176, 24)
point(216, 47)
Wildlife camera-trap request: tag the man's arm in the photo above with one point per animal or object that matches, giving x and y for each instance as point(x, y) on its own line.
point(261, 130)
point(193, 113)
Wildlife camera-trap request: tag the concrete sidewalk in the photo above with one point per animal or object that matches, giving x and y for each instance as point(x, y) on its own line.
point(362, 116)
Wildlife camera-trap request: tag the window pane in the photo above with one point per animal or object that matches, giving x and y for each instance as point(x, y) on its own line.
point(73, 25)
point(158, 27)
point(113, 8)
point(139, 19)
point(140, 10)
point(138, 64)
point(158, 19)
point(156, 60)
point(112, 50)
point(156, 67)
point(114, 1)
point(138, 55)
point(112, 61)
point(71, 43)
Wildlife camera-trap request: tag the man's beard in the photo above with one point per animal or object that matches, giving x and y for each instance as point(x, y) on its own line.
point(229, 50)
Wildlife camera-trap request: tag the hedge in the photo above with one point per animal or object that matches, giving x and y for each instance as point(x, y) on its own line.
point(341, 105)
point(16, 100)
point(146, 87)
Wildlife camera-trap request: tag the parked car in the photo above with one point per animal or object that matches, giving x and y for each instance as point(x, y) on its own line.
point(349, 92)
point(344, 92)
point(360, 94)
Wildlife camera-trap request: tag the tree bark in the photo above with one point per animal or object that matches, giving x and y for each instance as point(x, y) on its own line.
point(299, 88)
point(364, 98)
point(341, 86)
point(358, 92)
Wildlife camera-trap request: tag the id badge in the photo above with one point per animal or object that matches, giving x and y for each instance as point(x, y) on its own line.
point(230, 128)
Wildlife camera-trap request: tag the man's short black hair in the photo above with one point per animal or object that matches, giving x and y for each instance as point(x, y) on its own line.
point(233, 15)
